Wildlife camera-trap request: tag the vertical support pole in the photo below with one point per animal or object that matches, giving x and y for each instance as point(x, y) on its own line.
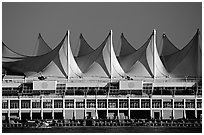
point(196, 108)
point(74, 111)
point(111, 42)
point(107, 108)
point(31, 110)
point(85, 105)
point(19, 108)
point(172, 108)
point(184, 100)
point(63, 105)
point(128, 107)
point(162, 111)
point(41, 107)
point(96, 108)
point(154, 53)
point(151, 114)
point(9, 114)
point(118, 108)
point(53, 108)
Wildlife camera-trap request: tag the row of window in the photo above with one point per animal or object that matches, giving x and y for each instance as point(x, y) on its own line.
point(102, 103)
point(104, 92)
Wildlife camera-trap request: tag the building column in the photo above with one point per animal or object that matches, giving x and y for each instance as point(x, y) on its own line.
point(151, 114)
point(172, 108)
point(63, 105)
point(128, 107)
point(41, 107)
point(96, 108)
point(31, 115)
point(19, 108)
point(184, 113)
point(53, 109)
point(8, 109)
point(85, 106)
point(196, 109)
point(31, 108)
point(162, 111)
point(118, 109)
point(74, 111)
point(107, 109)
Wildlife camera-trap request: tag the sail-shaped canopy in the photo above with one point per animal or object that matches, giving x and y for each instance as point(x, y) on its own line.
point(32, 64)
point(97, 62)
point(9, 55)
point(167, 47)
point(126, 47)
point(88, 62)
point(187, 61)
point(144, 62)
point(84, 47)
point(54, 69)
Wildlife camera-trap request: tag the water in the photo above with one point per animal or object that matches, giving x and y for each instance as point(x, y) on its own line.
point(107, 130)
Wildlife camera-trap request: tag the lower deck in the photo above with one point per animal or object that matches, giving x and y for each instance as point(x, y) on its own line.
point(102, 107)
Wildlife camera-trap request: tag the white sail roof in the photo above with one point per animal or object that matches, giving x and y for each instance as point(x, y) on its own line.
point(97, 62)
point(144, 62)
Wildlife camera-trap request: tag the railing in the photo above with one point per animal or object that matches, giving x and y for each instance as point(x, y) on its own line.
point(104, 80)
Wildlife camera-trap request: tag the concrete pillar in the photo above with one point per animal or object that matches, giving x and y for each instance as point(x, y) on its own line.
point(151, 114)
point(41, 107)
point(63, 105)
point(196, 108)
point(96, 108)
point(107, 109)
point(85, 106)
point(8, 103)
point(19, 108)
point(184, 111)
point(118, 108)
point(31, 108)
point(173, 108)
point(140, 103)
point(31, 115)
point(52, 108)
point(162, 111)
point(74, 111)
point(128, 107)
point(9, 109)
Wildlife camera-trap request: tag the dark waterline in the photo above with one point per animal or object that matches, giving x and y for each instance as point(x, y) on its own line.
point(107, 130)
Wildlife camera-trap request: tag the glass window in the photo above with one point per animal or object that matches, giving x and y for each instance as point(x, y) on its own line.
point(69, 103)
point(14, 104)
point(58, 103)
point(80, 104)
point(190, 103)
point(91, 103)
point(102, 103)
point(199, 103)
point(112, 103)
point(134, 103)
point(179, 104)
point(47, 103)
point(156, 103)
point(123, 103)
point(25, 104)
point(167, 103)
point(5, 104)
point(36, 104)
point(145, 103)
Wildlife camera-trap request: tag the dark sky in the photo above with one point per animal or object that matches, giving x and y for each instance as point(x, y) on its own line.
point(21, 23)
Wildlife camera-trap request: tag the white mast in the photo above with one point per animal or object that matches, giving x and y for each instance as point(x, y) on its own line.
point(111, 42)
point(154, 53)
point(68, 58)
